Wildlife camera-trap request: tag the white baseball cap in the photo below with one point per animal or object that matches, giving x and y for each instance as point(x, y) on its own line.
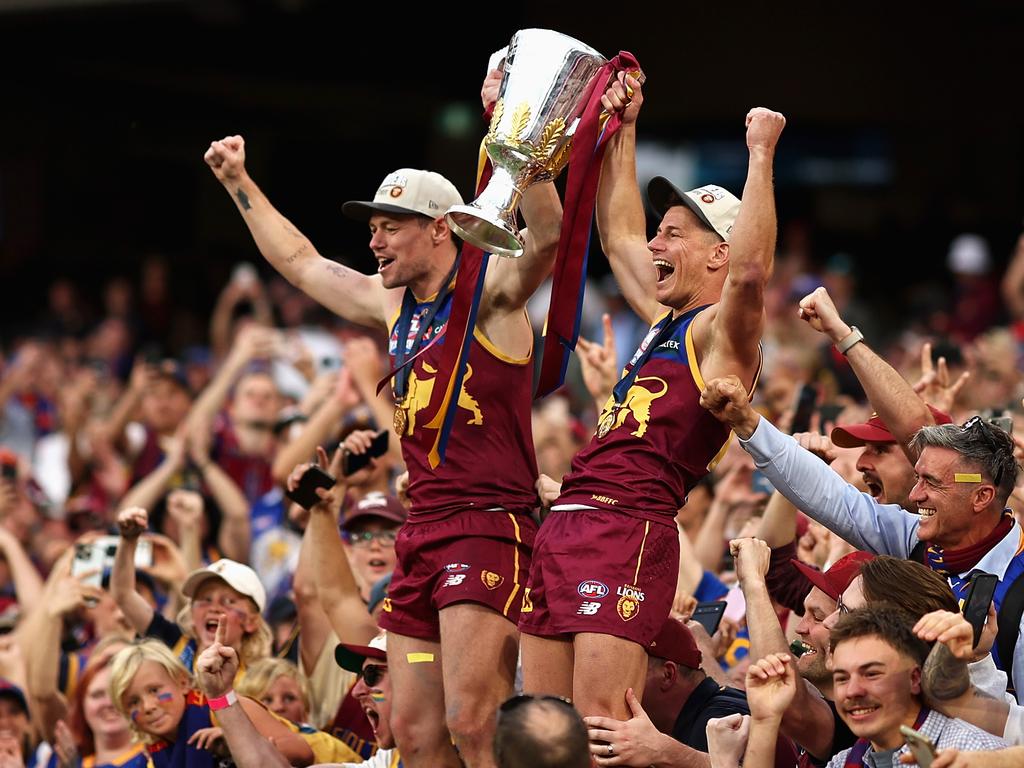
point(407, 191)
point(240, 578)
point(716, 206)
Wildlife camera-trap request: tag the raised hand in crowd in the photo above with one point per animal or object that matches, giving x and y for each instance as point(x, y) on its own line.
point(65, 746)
point(771, 686)
point(935, 386)
point(185, 510)
point(727, 740)
point(598, 364)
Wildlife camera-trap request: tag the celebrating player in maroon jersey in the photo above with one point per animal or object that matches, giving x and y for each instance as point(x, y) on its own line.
point(605, 560)
point(464, 554)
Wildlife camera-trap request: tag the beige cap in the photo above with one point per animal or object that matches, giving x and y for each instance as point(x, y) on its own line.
point(240, 578)
point(716, 206)
point(407, 191)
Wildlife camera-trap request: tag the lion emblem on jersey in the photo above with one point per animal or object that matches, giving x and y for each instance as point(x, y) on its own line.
point(638, 403)
point(421, 390)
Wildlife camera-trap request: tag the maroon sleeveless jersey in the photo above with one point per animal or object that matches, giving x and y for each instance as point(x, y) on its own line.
point(489, 461)
point(650, 450)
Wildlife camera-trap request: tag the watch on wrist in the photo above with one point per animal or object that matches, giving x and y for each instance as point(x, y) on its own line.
point(853, 337)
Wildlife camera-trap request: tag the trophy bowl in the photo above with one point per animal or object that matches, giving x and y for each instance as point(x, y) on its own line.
point(547, 75)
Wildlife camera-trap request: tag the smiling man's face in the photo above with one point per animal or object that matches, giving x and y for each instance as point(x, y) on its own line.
point(876, 689)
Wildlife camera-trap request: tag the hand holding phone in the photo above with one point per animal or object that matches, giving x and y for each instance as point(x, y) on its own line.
point(353, 462)
point(921, 747)
point(709, 615)
point(305, 494)
point(979, 598)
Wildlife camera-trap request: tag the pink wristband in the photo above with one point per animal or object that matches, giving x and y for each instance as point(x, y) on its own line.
point(222, 702)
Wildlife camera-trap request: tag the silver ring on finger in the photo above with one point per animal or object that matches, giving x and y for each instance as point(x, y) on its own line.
point(611, 751)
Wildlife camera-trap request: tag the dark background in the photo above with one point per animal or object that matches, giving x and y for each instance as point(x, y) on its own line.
point(905, 125)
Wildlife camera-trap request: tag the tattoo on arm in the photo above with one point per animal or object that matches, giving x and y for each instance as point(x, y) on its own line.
point(243, 199)
point(336, 269)
point(302, 249)
point(945, 677)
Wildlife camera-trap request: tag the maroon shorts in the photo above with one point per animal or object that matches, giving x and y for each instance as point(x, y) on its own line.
point(470, 557)
point(600, 571)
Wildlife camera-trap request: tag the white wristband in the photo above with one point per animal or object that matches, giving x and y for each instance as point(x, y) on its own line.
point(853, 337)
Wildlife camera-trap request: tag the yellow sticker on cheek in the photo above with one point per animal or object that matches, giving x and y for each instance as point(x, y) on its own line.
point(966, 477)
point(419, 658)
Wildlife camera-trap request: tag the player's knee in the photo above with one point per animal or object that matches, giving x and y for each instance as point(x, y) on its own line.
point(416, 734)
point(469, 723)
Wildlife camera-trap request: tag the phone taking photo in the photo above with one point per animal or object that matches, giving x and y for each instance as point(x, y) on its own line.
point(979, 597)
point(921, 746)
point(305, 493)
point(709, 615)
point(353, 462)
point(805, 406)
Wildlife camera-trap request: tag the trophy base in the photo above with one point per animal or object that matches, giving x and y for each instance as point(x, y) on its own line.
point(491, 235)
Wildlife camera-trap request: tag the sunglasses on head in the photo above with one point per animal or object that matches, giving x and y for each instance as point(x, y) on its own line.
point(374, 673)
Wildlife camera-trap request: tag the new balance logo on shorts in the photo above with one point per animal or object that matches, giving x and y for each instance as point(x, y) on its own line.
point(454, 579)
point(588, 608)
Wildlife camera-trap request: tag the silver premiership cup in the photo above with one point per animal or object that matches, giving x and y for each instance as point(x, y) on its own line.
point(535, 116)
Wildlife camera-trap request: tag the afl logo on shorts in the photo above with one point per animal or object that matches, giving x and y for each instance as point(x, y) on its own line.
point(595, 590)
point(456, 567)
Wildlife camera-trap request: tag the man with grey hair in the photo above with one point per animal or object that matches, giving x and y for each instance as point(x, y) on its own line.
point(964, 476)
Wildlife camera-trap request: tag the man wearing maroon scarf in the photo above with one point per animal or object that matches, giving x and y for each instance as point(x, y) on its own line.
point(965, 474)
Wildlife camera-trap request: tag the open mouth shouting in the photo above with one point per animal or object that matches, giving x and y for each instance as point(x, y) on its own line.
point(665, 269)
point(873, 485)
point(383, 262)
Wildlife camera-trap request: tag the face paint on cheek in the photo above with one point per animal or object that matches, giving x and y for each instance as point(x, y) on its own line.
point(378, 697)
point(134, 715)
point(165, 698)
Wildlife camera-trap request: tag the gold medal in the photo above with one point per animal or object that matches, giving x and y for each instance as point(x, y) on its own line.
point(606, 424)
point(401, 418)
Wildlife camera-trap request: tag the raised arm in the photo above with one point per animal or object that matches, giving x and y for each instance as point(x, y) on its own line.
point(739, 321)
point(235, 535)
point(356, 297)
point(148, 491)
point(808, 721)
point(335, 583)
point(131, 522)
point(254, 342)
point(621, 222)
point(892, 396)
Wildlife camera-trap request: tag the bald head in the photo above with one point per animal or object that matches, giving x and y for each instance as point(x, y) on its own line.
point(540, 733)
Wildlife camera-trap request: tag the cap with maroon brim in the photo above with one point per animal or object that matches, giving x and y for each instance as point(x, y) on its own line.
point(836, 579)
point(351, 657)
point(874, 431)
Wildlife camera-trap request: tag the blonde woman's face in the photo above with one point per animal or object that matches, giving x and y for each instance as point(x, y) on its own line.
point(284, 698)
point(155, 701)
